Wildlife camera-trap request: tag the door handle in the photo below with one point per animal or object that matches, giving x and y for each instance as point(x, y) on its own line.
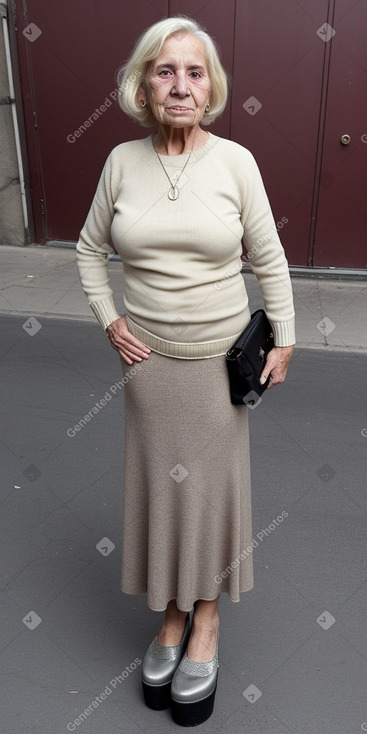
point(345, 139)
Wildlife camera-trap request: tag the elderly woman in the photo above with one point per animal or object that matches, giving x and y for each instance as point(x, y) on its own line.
point(180, 207)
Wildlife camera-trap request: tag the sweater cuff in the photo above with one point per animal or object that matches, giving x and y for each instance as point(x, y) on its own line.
point(105, 311)
point(284, 332)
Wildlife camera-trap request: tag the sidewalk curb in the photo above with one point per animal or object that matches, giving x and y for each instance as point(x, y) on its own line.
point(92, 321)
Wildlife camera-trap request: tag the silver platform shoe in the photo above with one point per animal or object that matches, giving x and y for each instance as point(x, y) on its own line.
point(159, 665)
point(193, 690)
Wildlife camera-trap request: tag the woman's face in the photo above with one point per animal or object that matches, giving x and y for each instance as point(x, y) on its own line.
point(177, 82)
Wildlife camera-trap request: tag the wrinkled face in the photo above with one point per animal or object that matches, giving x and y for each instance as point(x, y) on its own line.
point(177, 83)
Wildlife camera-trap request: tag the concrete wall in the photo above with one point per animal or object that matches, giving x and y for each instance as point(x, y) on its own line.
point(11, 214)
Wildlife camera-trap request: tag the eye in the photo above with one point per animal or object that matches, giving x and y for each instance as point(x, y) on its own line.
point(196, 73)
point(164, 72)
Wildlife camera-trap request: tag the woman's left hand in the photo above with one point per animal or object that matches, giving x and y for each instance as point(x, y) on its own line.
point(276, 365)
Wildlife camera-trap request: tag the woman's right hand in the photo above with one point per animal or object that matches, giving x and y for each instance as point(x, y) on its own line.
point(130, 349)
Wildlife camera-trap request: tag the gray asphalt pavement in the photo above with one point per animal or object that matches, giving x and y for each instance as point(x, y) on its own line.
point(293, 652)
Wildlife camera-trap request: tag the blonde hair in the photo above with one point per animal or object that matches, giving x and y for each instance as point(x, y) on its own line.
point(147, 48)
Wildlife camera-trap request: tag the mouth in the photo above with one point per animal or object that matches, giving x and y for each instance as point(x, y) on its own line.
point(177, 108)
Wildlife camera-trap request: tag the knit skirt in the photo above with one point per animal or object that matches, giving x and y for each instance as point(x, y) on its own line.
point(186, 520)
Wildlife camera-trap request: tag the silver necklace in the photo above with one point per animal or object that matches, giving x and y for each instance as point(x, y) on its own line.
point(174, 191)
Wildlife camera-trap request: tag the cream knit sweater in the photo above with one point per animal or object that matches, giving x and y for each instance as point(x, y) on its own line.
point(181, 258)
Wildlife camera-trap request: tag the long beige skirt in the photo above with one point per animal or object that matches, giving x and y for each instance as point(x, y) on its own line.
point(186, 526)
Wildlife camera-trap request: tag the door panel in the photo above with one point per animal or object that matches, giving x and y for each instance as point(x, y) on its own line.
point(71, 72)
point(280, 63)
point(341, 229)
point(301, 107)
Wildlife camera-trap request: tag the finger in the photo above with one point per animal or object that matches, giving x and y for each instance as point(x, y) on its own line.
point(127, 357)
point(127, 360)
point(119, 330)
point(127, 340)
point(132, 356)
point(269, 367)
point(276, 378)
point(272, 382)
point(264, 377)
point(133, 352)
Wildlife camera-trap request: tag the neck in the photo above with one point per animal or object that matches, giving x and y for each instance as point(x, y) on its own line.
point(177, 140)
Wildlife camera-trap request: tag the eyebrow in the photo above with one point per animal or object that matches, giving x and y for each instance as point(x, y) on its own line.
point(172, 66)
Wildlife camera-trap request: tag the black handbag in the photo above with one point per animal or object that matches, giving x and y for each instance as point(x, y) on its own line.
point(246, 359)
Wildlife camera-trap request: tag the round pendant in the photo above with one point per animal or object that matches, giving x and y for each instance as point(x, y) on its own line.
point(173, 193)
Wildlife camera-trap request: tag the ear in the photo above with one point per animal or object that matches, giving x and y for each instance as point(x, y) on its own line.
point(141, 95)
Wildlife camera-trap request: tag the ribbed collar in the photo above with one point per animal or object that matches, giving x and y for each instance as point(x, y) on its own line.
point(178, 160)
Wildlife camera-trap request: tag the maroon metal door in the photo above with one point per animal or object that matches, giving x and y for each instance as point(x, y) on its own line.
point(341, 225)
point(69, 53)
point(284, 68)
point(277, 89)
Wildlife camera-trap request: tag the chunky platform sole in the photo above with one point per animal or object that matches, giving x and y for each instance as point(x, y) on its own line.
point(157, 697)
point(193, 714)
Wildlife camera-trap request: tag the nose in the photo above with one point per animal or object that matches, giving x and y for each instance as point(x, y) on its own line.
point(180, 85)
